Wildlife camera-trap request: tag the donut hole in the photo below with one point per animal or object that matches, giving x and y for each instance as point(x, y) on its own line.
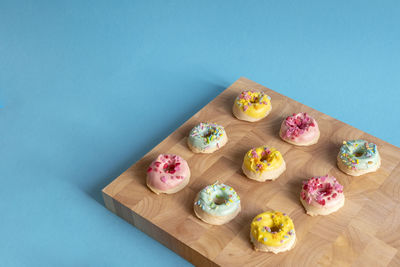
point(358, 153)
point(325, 190)
point(218, 200)
point(170, 167)
point(209, 133)
point(303, 125)
point(275, 229)
point(254, 100)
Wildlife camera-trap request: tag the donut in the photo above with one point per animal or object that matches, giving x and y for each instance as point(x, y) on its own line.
point(207, 138)
point(322, 195)
point(168, 174)
point(251, 106)
point(358, 157)
point(217, 204)
point(263, 163)
point(272, 231)
point(300, 129)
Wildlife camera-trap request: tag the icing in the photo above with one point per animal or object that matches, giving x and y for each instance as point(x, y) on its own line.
point(254, 104)
point(206, 135)
point(322, 191)
point(167, 171)
point(262, 159)
point(299, 127)
point(218, 199)
point(359, 154)
point(272, 228)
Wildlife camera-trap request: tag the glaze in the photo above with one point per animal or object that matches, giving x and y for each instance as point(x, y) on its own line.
point(300, 129)
point(322, 195)
point(260, 162)
point(252, 105)
point(207, 137)
point(217, 204)
point(359, 154)
point(167, 172)
point(218, 199)
point(273, 230)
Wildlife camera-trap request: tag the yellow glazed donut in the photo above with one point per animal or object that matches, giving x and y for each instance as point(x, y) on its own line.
point(251, 106)
point(263, 163)
point(272, 231)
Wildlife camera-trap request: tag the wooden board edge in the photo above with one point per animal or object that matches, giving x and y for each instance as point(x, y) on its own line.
point(156, 233)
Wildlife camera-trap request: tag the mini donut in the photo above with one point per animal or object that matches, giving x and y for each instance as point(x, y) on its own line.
point(217, 204)
point(358, 157)
point(207, 138)
point(168, 174)
point(300, 129)
point(263, 163)
point(251, 106)
point(272, 231)
point(322, 195)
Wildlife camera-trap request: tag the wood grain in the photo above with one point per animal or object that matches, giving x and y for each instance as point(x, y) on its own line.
point(365, 232)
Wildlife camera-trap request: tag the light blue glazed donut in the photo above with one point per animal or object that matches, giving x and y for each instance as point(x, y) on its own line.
point(218, 200)
point(359, 154)
point(207, 137)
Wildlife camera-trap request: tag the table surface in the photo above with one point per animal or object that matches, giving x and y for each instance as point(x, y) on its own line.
point(87, 88)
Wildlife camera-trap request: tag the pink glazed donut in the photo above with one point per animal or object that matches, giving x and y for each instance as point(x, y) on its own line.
point(168, 174)
point(300, 129)
point(322, 195)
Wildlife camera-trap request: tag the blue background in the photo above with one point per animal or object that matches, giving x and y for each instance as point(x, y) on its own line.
point(88, 87)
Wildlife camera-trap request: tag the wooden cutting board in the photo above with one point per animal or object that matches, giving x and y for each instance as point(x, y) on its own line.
point(365, 232)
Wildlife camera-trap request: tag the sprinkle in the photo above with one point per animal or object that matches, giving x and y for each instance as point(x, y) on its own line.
point(265, 239)
point(163, 179)
point(259, 219)
point(297, 124)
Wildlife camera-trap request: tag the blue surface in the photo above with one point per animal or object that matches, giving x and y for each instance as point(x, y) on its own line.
point(83, 85)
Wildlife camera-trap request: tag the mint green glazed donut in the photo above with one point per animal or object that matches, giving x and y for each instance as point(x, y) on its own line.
point(218, 200)
point(359, 155)
point(207, 137)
